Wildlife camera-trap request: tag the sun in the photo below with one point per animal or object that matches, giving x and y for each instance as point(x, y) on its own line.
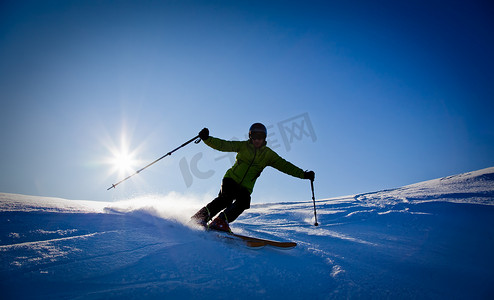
point(122, 160)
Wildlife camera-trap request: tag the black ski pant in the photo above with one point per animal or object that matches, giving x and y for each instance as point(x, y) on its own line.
point(233, 198)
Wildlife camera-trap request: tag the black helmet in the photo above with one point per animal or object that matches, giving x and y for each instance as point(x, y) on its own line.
point(259, 129)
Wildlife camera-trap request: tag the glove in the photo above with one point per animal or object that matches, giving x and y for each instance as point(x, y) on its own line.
point(204, 134)
point(309, 175)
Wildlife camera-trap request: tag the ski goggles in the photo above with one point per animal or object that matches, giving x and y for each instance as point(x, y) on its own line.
point(258, 136)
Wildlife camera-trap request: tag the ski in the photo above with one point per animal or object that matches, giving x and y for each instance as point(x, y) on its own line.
point(255, 242)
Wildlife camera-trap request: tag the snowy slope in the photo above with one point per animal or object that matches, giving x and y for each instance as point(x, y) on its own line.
point(433, 239)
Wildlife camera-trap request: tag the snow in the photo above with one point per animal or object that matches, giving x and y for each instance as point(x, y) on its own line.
point(433, 239)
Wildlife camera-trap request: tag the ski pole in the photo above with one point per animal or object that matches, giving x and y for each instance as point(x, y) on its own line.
point(314, 201)
point(196, 139)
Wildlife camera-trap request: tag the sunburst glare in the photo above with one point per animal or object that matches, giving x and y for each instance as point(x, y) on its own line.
point(123, 161)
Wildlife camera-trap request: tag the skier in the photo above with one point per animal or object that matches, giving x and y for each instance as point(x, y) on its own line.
point(252, 157)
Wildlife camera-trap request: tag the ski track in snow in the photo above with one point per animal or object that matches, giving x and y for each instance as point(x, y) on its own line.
point(428, 240)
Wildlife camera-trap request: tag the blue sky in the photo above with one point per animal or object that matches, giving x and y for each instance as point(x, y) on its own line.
point(394, 93)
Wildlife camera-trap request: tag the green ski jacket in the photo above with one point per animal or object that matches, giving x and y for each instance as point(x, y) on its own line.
point(251, 161)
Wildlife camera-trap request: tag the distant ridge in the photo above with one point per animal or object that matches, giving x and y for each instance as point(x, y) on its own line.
point(476, 187)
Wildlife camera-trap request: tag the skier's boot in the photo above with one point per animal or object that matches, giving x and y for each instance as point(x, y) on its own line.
point(220, 224)
point(201, 217)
